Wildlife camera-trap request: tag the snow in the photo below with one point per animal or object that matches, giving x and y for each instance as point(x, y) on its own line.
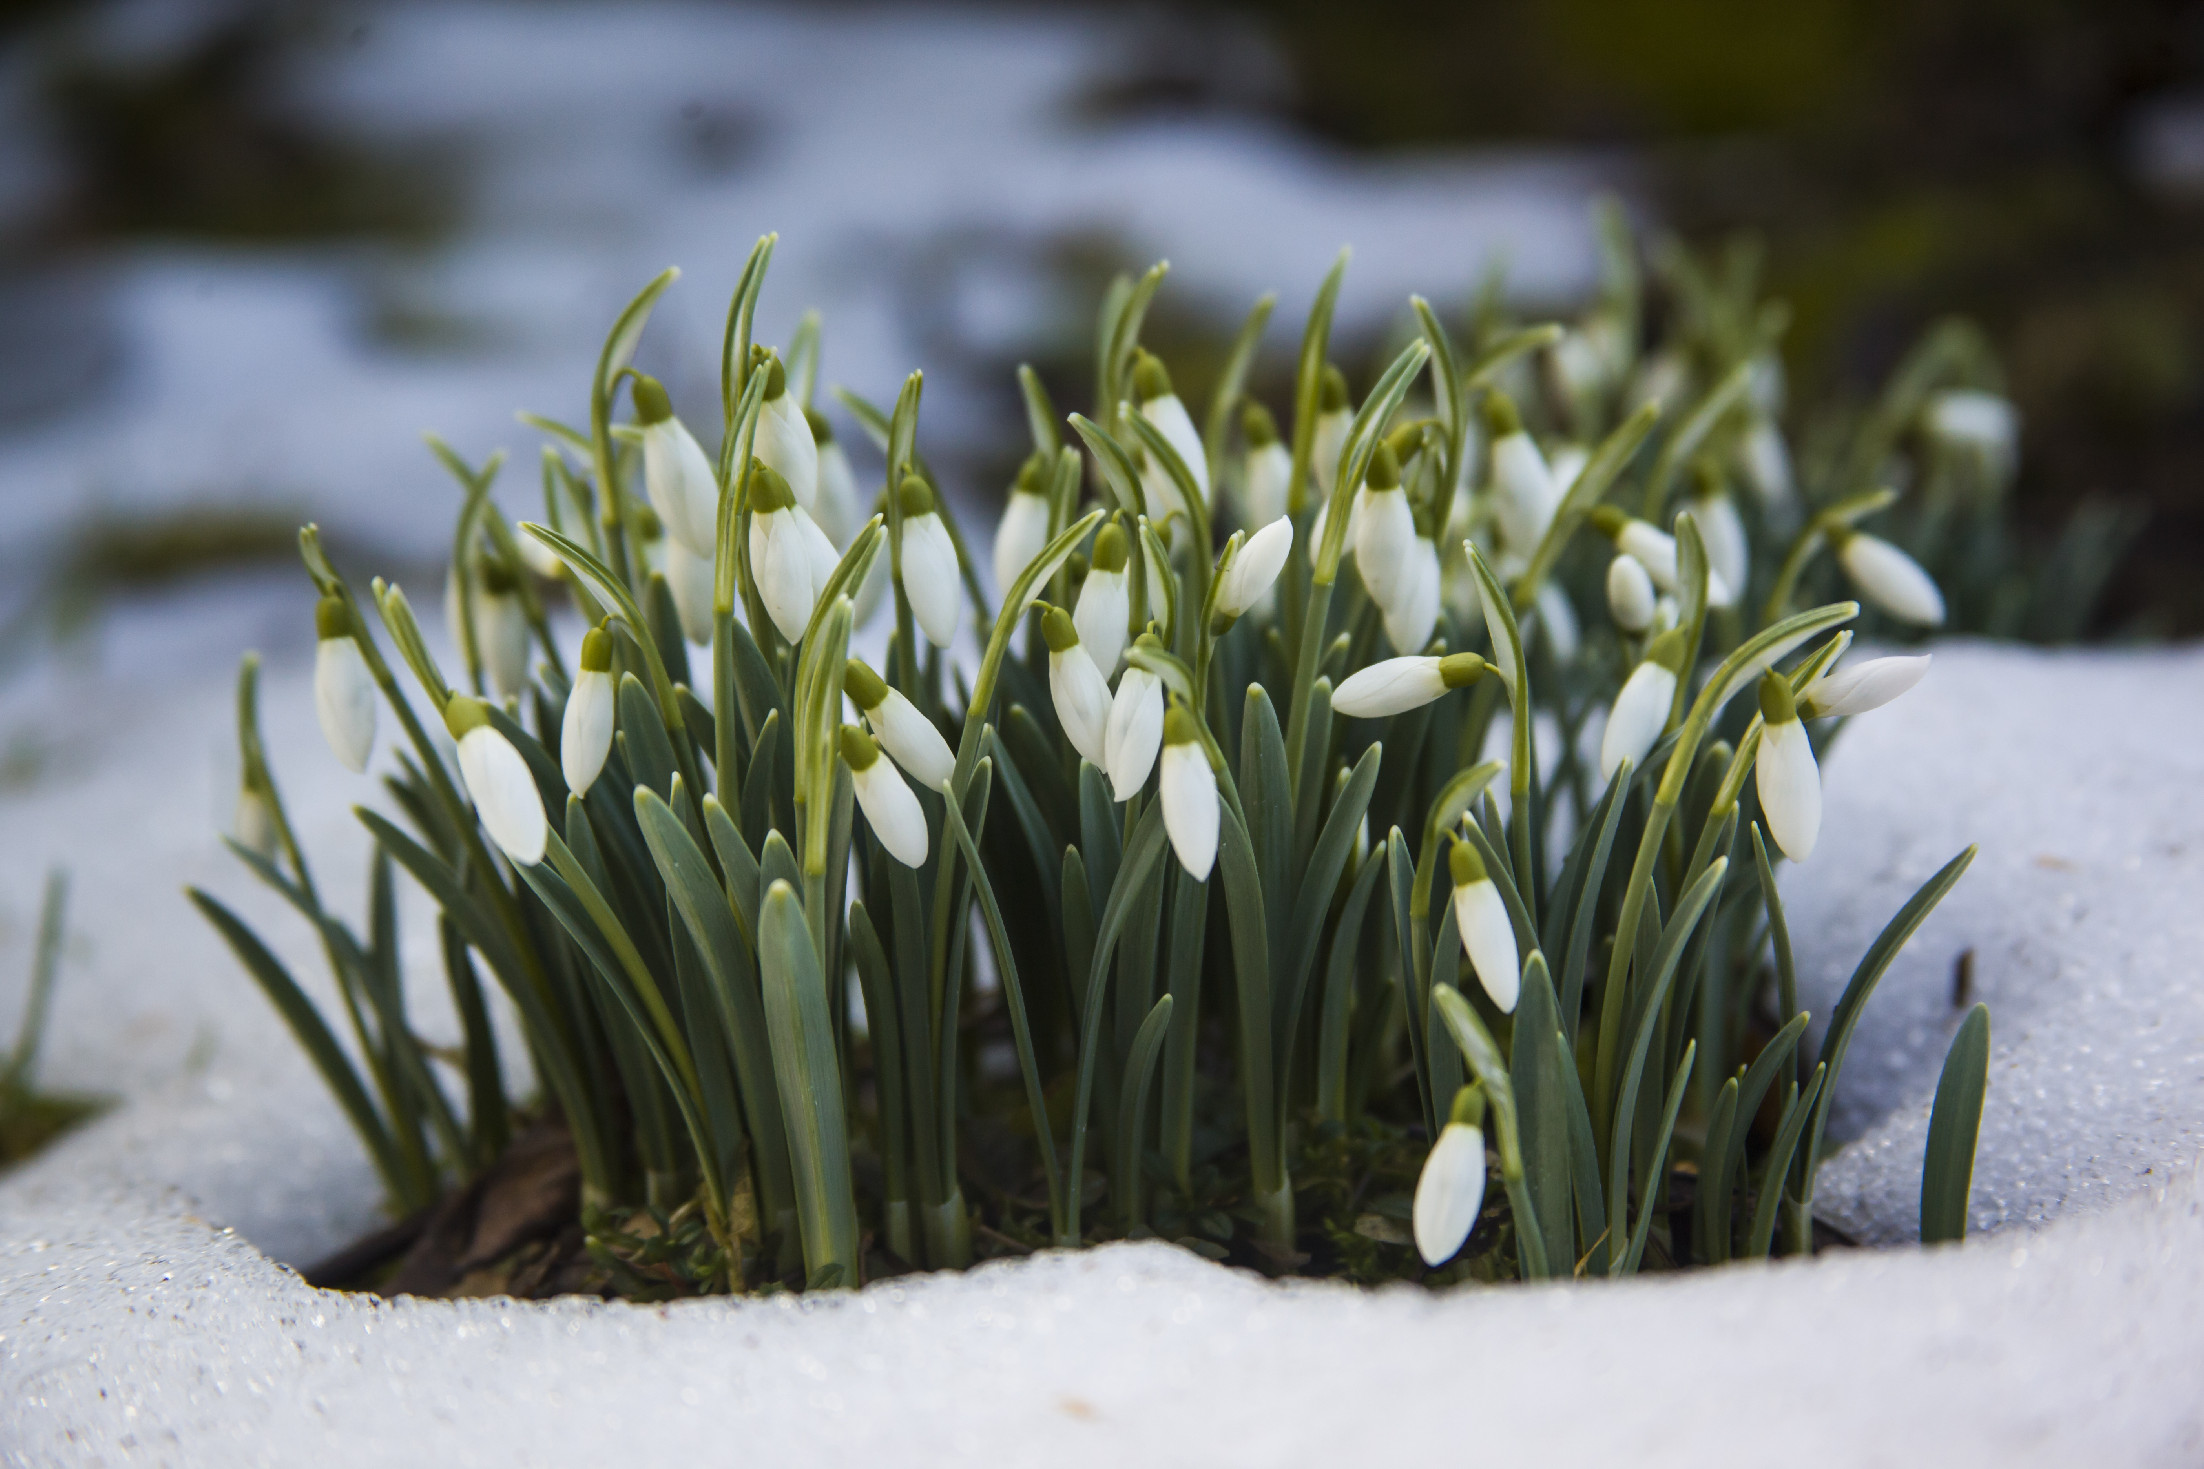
point(140, 1323)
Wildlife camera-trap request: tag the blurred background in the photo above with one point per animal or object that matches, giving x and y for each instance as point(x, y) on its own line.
point(250, 251)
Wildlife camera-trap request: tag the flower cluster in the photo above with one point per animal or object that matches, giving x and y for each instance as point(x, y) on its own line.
point(1433, 703)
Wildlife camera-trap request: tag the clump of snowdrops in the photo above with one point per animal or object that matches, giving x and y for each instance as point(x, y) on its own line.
point(1343, 801)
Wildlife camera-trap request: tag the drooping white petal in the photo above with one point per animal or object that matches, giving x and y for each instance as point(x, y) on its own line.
point(1557, 615)
point(1722, 529)
point(1790, 788)
point(840, 512)
point(1022, 535)
point(1641, 711)
point(1082, 699)
point(1488, 937)
point(1326, 445)
point(1449, 1193)
point(785, 443)
point(930, 578)
point(1393, 687)
point(1412, 611)
point(911, 740)
point(1269, 470)
point(892, 811)
point(501, 635)
point(1134, 732)
point(780, 559)
point(1170, 418)
point(1657, 550)
point(539, 558)
point(1261, 558)
point(344, 701)
point(1629, 593)
point(679, 480)
point(1864, 686)
point(1566, 463)
point(1972, 419)
point(1105, 605)
point(1525, 496)
point(1892, 580)
point(824, 558)
point(1383, 539)
point(689, 578)
point(1188, 789)
point(1765, 461)
point(585, 733)
point(504, 794)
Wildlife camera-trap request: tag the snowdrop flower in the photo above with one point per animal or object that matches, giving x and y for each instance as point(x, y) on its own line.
point(1400, 684)
point(254, 823)
point(930, 578)
point(1247, 580)
point(497, 781)
point(784, 438)
point(1976, 421)
point(1488, 934)
point(1162, 408)
point(1764, 459)
point(1722, 530)
point(1387, 531)
point(1269, 465)
point(1656, 551)
point(782, 556)
point(1081, 694)
point(501, 629)
point(1334, 417)
point(1105, 601)
point(1889, 578)
point(840, 512)
point(1023, 532)
point(1557, 615)
point(676, 474)
point(1451, 1189)
point(1580, 364)
point(689, 578)
point(585, 733)
point(1862, 687)
point(344, 691)
point(1188, 790)
point(1789, 781)
point(1634, 725)
point(1135, 729)
point(1629, 593)
point(908, 736)
point(892, 811)
point(1525, 495)
point(539, 558)
point(1412, 609)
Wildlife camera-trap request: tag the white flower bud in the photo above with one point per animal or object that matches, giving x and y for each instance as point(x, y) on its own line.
point(498, 782)
point(1188, 789)
point(1488, 934)
point(1640, 713)
point(783, 557)
point(1788, 780)
point(344, 691)
point(1450, 1192)
point(676, 474)
point(689, 578)
point(908, 736)
point(1269, 466)
point(1629, 593)
point(1080, 693)
point(501, 635)
point(930, 577)
point(1862, 687)
point(1387, 529)
point(1262, 556)
point(1163, 410)
point(1134, 732)
point(254, 824)
point(840, 511)
point(1764, 459)
point(1889, 578)
point(784, 439)
point(1400, 684)
point(1979, 422)
point(1412, 609)
point(585, 731)
point(1023, 533)
point(890, 809)
point(1722, 530)
point(1105, 601)
point(1334, 416)
point(1656, 551)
